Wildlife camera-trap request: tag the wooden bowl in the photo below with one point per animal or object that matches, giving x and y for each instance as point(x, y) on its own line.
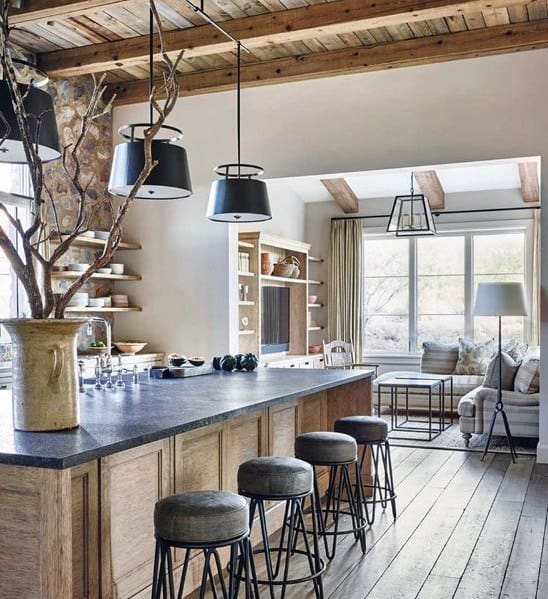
point(96, 351)
point(129, 347)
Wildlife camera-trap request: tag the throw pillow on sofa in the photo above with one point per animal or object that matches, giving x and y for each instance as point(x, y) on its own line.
point(439, 358)
point(474, 357)
point(515, 350)
point(509, 370)
point(527, 377)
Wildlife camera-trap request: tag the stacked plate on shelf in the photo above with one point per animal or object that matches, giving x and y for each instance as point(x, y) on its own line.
point(79, 300)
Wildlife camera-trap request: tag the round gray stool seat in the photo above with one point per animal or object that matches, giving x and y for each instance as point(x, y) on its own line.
point(275, 477)
point(365, 429)
point(201, 517)
point(325, 448)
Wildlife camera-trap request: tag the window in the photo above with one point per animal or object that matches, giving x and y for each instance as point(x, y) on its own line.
point(386, 308)
point(420, 289)
point(13, 180)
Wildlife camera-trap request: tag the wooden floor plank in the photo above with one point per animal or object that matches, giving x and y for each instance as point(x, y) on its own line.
point(438, 587)
point(542, 586)
point(516, 482)
point(455, 555)
point(522, 575)
point(485, 570)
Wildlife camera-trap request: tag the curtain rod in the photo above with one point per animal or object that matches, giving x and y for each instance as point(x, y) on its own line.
point(441, 213)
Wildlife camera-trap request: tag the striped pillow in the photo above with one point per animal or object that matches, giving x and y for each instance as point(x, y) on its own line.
point(439, 358)
point(528, 376)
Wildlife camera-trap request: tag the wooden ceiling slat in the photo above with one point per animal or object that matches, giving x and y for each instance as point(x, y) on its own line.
point(294, 3)
point(232, 9)
point(350, 40)
point(466, 44)
point(331, 42)
point(400, 32)
point(175, 17)
point(85, 22)
point(314, 45)
point(184, 10)
point(39, 31)
point(32, 41)
point(420, 29)
point(273, 5)
point(496, 16)
point(438, 26)
point(518, 13)
point(34, 11)
point(122, 14)
point(474, 21)
point(456, 23)
point(366, 37)
point(381, 35)
point(537, 10)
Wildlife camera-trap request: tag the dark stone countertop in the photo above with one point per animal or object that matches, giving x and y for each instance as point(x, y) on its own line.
point(112, 421)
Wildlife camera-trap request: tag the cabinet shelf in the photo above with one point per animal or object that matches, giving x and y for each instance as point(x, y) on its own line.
point(246, 303)
point(315, 305)
point(245, 244)
point(318, 328)
point(242, 273)
point(314, 282)
point(247, 332)
point(313, 259)
point(91, 242)
point(282, 279)
point(73, 274)
point(111, 309)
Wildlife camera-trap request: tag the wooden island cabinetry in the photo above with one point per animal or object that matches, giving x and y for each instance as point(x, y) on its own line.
point(105, 505)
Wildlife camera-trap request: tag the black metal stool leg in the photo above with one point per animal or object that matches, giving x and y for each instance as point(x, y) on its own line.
point(389, 477)
point(153, 593)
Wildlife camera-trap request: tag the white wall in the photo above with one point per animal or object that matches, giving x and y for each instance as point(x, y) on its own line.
point(459, 111)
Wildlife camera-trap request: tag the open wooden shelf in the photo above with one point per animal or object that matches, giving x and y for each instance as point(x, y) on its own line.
point(282, 279)
point(313, 259)
point(245, 244)
point(74, 274)
point(90, 242)
point(88, 309)
point(315, 305)
point(318, 328)
point(246, 303)
point(314, 282)
point(247, 332)
point(242, 273)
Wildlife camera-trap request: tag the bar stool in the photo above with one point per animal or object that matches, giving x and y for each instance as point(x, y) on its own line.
point(206, 520)
point(372, 432)
point(339, 453)
point(289, 480)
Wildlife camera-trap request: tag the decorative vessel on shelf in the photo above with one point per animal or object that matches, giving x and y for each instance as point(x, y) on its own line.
point(267, 266)
point(288, 268)
point(129, 347)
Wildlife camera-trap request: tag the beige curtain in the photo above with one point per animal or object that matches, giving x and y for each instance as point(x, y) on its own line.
point(345, 282)
point(535, 287)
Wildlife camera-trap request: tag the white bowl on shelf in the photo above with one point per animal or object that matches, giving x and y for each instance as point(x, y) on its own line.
point(117, 268)
point(89, 234)
point(103, 235)
point(78, 266)
point(79, 300)
point(104, 271)
point(96, 302)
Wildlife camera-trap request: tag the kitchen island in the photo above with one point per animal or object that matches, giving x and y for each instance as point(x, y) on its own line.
point(76, 506)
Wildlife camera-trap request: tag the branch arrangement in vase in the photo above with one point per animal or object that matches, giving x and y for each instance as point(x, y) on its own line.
point(31, 263)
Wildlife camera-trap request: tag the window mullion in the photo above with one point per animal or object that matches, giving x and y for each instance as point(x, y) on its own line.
point(468, 285)
point(412, 295)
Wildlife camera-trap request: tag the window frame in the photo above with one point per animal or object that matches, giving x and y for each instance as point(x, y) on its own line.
point(468, 231)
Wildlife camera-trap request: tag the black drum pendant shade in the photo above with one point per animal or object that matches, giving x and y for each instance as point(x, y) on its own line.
point(169, 179)
point(239, 200)
point(239, 197)
point(38, 103)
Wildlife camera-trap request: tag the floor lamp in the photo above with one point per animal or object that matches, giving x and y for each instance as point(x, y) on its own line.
point(500, 299)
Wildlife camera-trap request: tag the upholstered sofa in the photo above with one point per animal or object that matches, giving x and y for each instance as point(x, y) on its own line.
point(437, 358)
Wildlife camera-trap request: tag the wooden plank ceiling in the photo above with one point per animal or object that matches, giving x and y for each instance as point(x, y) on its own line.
point(288, 39)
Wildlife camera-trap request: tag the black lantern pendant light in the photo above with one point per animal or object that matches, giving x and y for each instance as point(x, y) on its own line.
point(40, 119)
point(239, 197)
point(170, 178)
point(411, 215)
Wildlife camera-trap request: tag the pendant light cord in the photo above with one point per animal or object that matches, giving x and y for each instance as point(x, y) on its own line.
point(238, 108)
point(150, 63)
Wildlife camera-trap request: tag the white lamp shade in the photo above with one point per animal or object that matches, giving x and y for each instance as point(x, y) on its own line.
point(500, 299)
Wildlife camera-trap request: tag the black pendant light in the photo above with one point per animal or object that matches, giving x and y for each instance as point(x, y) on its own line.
point(411, 215)
point(170, 178)
point(40, 119)
point(239, 197)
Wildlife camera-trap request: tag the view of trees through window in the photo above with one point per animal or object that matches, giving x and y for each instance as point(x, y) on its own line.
point(416, 289)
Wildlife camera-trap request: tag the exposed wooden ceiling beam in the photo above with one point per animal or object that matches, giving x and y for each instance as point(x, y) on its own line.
point(296, 24)
point(40, 10)
point(467, 44)
point(342, 194)
point(431, 187)
point(528, 175)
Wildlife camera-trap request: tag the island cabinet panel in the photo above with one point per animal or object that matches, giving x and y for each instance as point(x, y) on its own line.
point(131, 483)
point(245, 438)
point(351, 399)
point(312, 413)
point(85, 531)
point(34, 524)
point(282, 429)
